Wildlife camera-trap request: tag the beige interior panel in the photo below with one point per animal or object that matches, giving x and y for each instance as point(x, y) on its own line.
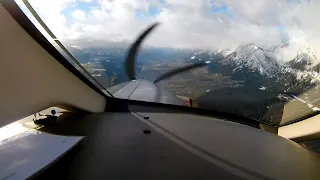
point(307, 129)
point(32, 80)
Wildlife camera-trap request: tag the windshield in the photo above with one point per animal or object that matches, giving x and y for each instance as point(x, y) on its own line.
point(261, 57)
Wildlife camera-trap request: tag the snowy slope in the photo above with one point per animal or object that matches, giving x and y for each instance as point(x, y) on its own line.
point(261, 61)
point(253, 58)
point(304, 60)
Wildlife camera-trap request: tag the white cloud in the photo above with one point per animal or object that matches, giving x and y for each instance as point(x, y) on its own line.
point(88, 1)
point(187, 24)
point(51, 13)
point(79, 15)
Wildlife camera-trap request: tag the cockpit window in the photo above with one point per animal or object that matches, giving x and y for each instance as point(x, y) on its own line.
point(261, 58)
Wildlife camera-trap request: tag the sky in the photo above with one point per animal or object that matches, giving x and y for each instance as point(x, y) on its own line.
point(197, 24)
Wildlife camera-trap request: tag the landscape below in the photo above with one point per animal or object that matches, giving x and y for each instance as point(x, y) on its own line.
point(248, 81)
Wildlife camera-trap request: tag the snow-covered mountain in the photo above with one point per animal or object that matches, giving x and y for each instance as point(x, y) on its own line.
point(252, 57)
point(262, 61)
point(258, 67)
point(223, 52)
point(304, 59)
point(302, 72)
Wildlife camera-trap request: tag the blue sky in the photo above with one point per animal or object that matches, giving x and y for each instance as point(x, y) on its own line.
point(141, 13)
point(84, 6)
point(222, 9)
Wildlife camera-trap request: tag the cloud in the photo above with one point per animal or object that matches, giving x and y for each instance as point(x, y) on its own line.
point(208, 24)
point(50, 12)
point(88, 1)
point(79, 15)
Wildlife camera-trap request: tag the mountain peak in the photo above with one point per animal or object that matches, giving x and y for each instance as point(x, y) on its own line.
point(255, 58)
point(224, 52)
point(305, 59)
point(307, 54)
point(249, 47)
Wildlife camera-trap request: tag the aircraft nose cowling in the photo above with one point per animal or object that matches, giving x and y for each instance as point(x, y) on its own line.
point(144, 90)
